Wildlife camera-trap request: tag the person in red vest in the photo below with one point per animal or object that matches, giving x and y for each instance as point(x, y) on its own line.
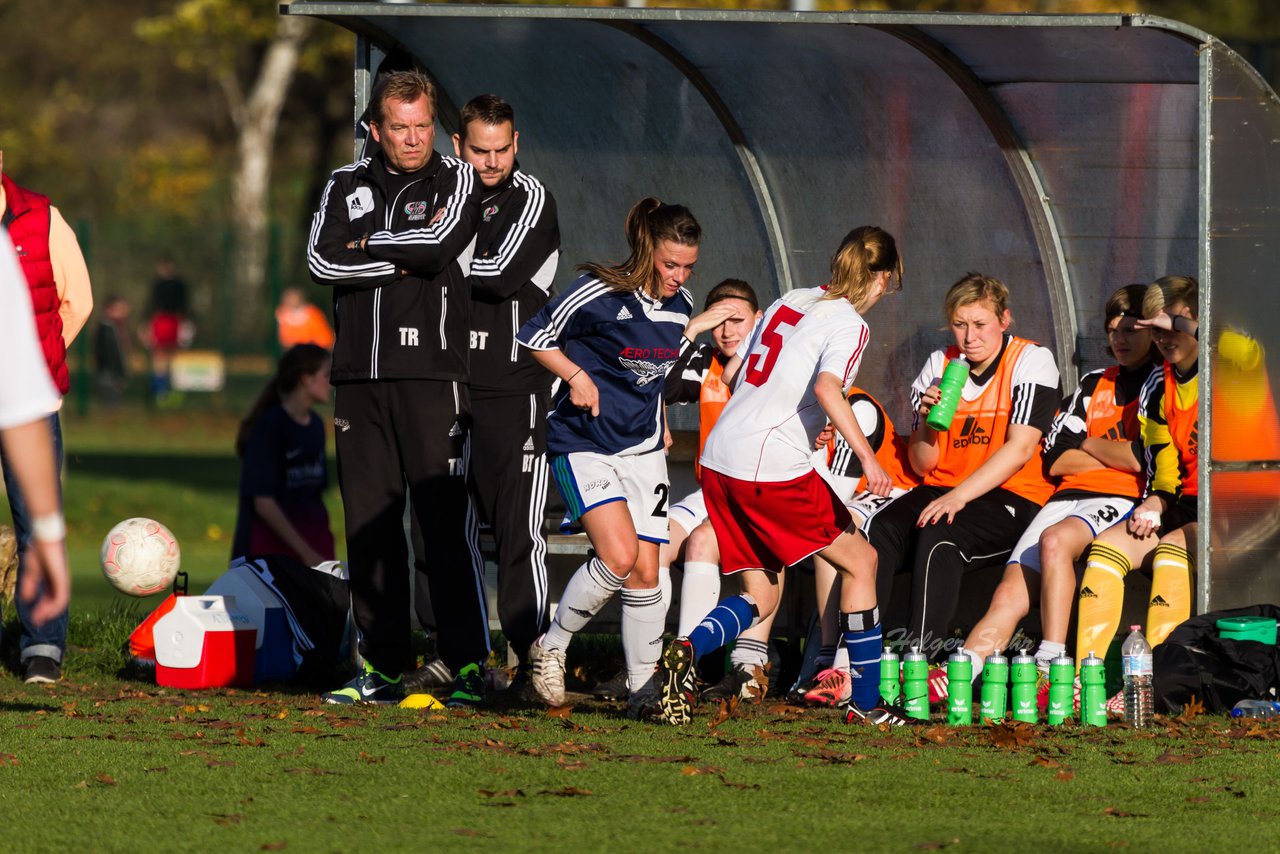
point(62, 301)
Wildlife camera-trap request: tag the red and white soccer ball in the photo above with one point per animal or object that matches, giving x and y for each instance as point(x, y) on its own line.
point(140, 557)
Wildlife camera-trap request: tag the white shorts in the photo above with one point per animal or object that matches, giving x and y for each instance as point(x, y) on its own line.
point(864, 505)
point(586, 480)
point(1098, 513)
point(690, 512)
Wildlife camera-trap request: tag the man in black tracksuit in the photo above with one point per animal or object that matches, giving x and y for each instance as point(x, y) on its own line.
point(393, 237)
point(517, 248)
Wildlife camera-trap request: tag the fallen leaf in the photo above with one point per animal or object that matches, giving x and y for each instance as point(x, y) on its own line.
point(274, 846)
point(1199, 799)
point(938, 734)
point(1171, 758)
point(1011, 734)
point(566, 792)
point(506, 793)
point(1193, 709)
point(560, 711)
point(105, 779)
point(733, 785)
point(8, 759)
point(227, 820)
point(1115, 813)
point(724, 711)
point(693, 770)
point(1065, 775)
point(1044, 761)
point(369, 759)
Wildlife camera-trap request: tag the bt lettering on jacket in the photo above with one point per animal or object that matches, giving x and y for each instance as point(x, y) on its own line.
point(408, 336)
point(478, 339)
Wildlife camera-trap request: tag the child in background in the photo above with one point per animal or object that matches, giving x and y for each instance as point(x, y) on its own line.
point(284, 472)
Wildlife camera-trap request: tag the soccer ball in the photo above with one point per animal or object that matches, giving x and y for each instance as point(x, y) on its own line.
point(140, 557)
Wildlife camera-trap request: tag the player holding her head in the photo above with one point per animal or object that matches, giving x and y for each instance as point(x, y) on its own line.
point(768, 505)
point(284, 472)
point(1091, 448)
point(610, 338)
point(983, 480)
point(697, 378)
point(1165, 522)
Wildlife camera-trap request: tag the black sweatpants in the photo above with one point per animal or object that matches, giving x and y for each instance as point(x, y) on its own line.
point(391, 434)
point(508, 476)
point(938, 556)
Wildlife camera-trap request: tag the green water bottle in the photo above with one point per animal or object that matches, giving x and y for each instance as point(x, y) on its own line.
point(915, 684)
point(1062, 674)
point(1093, 691)
point(995, 687)
point(960, 689)
point(1022, 673)
point(890, 686)
point(949, 390)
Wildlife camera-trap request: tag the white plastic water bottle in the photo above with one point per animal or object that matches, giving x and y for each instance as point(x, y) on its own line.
point(1138, 699)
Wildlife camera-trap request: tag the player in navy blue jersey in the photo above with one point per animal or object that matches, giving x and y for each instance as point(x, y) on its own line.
point(610, 338)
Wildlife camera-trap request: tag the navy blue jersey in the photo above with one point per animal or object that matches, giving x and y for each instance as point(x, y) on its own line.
point(625, 342)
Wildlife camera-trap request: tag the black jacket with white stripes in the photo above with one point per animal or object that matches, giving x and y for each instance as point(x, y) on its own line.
point(401, 307)
point(517, 249)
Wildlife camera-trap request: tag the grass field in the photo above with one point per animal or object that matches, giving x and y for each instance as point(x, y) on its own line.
point(106, 761)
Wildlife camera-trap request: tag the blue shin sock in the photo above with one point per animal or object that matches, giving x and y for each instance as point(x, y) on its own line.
point(863, 639)
point(730, 618)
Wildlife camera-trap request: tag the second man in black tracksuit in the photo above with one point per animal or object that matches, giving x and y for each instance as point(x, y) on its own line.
point(517, 247)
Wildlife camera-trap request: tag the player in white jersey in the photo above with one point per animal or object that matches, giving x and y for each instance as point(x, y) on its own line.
point(768, 505)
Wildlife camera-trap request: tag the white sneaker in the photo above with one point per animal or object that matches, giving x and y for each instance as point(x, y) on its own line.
point(548, 673)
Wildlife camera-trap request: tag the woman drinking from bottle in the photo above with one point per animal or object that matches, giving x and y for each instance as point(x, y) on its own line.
point(982, 478)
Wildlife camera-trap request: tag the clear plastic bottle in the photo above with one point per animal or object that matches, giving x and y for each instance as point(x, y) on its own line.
point(1138, 700)
point(1256, 709)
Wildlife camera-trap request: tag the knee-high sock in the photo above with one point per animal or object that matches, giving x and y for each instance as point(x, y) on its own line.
point(749, 654)
point(644, 615)
point(699, 593)
point(586, 593)
point(726, 621)
point(1170, 591)
point(664, 584)
point(1101, 599)
point(863, 639)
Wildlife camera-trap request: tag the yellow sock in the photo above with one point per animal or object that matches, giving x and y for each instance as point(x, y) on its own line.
point(1101, 600)
point(1170, 591)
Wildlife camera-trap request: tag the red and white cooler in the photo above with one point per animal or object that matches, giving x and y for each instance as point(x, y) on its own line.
point(204, 642)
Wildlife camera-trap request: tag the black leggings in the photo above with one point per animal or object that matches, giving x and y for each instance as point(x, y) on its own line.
point(938, 556)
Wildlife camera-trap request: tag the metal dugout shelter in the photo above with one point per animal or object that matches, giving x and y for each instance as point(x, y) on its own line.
point(1066, 155)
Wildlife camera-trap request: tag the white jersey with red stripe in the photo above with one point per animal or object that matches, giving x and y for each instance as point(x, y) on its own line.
point(769, 426)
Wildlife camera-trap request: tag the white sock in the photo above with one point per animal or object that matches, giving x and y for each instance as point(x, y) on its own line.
point(699, 594)
point(644, 616)
point(586, 593)
point(977, 660)
point(748, 654)
point(1047, 652)
point(841, 661)
point(664, 584)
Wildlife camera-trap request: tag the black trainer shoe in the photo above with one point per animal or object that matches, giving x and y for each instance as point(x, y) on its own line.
point(468, 688)
point(431, 676)
point(521, 688)
point(736, 683)
point(613, 688)
point(677, 679)
point(881, 713)
point(645, 704)
point(369, 687)
point(41, 669)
